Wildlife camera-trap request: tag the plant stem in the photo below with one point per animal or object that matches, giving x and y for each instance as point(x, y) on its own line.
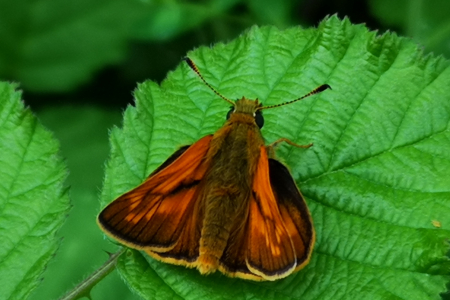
point(83, 289)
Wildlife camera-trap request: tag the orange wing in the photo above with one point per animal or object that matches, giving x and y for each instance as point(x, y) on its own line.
point(279, 230)
point(159, 213)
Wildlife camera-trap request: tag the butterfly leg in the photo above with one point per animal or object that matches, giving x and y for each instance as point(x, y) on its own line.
point(271, 147)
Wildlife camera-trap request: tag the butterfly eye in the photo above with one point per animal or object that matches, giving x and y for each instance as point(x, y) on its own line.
point(259, 119)
point(230, 112)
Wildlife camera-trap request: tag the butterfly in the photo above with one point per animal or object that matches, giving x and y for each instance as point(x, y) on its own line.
point(224, 203)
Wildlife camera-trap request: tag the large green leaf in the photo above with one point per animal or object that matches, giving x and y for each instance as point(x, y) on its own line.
point(33, 202)
point(375, 180)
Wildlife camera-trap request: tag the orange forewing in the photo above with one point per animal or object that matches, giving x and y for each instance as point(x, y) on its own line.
point(154, 215)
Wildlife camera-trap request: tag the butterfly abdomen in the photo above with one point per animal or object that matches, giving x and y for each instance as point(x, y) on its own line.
point(234, 151)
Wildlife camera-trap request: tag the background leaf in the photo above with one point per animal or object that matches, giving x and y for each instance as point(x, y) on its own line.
point(33, 202)
point(166, 19)
point(426, 21)
point(54, 45)
point(74, 126)
point(278, 13)
point(375, 180)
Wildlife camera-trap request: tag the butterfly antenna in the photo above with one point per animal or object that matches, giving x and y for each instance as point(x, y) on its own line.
point(317, 90)
point(195, 69)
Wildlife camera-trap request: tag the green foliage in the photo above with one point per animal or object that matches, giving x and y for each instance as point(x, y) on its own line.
point(426, 21)
point(83, 132)
point(375, 180)
point(54, 45)
point(33, 202)
point(166, 19)
point(57, 45)
point(277, 13)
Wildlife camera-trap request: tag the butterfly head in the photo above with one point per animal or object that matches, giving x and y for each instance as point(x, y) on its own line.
point(248, 107)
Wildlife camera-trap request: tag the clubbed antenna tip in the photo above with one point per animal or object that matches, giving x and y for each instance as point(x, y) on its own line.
point(317, 90)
